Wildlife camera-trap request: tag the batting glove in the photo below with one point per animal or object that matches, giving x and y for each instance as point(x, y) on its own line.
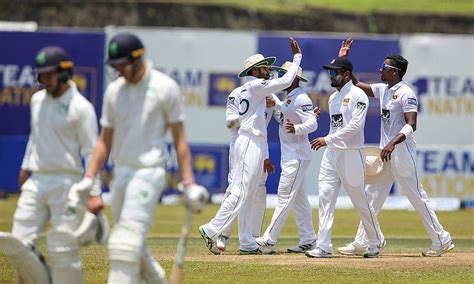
point(79, 191)
point(195, 197)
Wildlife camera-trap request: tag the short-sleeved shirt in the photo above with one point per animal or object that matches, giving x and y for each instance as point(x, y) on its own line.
point(394, 102)
point(347, 111)
point(139, 115)
point(62, 130)
point(298, 108)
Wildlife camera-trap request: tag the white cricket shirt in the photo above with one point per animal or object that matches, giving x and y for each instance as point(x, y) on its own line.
point(298, 108)
point(347, 112)
point(394, 102)
point(139, 115)
point(62, 130)
point(252, 103)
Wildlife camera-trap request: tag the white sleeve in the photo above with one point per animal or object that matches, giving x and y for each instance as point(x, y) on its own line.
point(25, 165)
point(378, 89)
point(107, 111)
point(265, 87)
point(359, 111)
point(304, 110)
point(232, 112)
point(174, 109)
point(409, 102)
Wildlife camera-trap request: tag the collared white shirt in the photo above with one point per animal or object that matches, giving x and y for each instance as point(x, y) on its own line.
point(347, 112)
point(252, 103)
point(62, 130)
point(139, 115)
point(298, 108)
point(394, 102)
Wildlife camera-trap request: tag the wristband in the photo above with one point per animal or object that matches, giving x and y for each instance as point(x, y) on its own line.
point(407, 130)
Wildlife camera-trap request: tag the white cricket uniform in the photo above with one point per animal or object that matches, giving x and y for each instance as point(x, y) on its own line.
point(259, 205)
point(251, 149)
point(394, 103)
point(343, 164)
point(295, 159)
point(139, 115)
point(62, 130)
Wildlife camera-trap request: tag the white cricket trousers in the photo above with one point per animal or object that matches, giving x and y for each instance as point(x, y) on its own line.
point(248, 169)
point(346, 168)
point(134, 196)
point(43, 197)
point(292, 194)
point(403, 170)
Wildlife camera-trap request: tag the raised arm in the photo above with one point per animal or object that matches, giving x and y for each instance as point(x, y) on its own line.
point(344, 52)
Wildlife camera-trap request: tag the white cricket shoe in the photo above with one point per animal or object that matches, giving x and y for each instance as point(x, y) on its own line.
point(438, 251)
point(222, 242)
point(210, 244)
point(351, 249)
point(302, 248)
point(318, 253)
point(265, 246)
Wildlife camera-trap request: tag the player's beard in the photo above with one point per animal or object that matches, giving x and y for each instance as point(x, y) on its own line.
point(337, 81)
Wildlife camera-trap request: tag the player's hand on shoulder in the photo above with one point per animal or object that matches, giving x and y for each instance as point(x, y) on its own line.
point(270, 101)
point(295, 48)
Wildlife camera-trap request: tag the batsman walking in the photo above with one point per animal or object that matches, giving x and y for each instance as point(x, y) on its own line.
point(138, 109)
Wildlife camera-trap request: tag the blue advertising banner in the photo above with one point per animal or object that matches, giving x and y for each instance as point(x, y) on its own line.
point(366, 55)
point(220, 86)
point(18, 84)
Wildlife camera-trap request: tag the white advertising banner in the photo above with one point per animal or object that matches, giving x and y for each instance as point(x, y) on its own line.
point(441, 70)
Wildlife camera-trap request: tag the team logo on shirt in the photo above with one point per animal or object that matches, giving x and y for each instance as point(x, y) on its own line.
point(345, 101)
point(412, 101)
point(394, 97)
point(306, 108)
point(385, 116)
point(336, 120)
point(288, 102)
point(264, 82)
point(230, 101)
point(361, 105)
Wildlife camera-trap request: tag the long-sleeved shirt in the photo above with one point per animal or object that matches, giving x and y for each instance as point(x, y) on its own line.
point(139, 115)
point(62, 130)
point(252, 103)
point(347, 111)
point(298, 108)
point(394, 102)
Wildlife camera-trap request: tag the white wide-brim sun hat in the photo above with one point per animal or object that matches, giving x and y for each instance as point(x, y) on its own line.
point(375, 169)
point(256, 60)
point(286, 66)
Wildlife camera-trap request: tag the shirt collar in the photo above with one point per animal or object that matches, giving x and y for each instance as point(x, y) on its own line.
point(346, 87)
point(397, 86)
point(293, 92)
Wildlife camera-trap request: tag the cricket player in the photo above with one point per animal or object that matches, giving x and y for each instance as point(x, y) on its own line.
point(138, 108)
point(250, 149)
point(63, 129)
point(398, 109)
point(343, 161)
point(297, 120)
point(259, 205)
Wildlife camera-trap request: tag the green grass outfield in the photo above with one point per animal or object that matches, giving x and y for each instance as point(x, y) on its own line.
point(400, 262)
point(358, 6)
